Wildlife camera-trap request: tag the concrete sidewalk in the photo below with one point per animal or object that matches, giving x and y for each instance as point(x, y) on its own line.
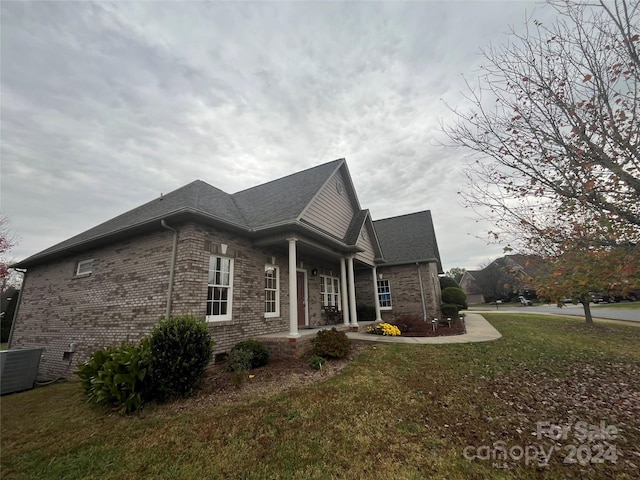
point(478, 330)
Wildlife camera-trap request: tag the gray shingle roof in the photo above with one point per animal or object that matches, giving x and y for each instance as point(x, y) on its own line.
point(408, 239)
point(404, 239)
point(284, 199)
point(357, 222)
point(273, 203)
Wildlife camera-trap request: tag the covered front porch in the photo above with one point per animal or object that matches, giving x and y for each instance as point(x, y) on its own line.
point(321, 285)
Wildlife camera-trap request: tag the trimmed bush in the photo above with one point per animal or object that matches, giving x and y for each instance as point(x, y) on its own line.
point(331, 344)
point(118, 377)
point(449, 310)
point(446, 282)
point(181, 349)
point(454, 295)
point(258, 350)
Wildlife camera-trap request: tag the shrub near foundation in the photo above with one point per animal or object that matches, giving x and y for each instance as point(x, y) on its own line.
point(449, 310)
point(331, 344)
point(118, 377)
point(181, 348)
point(245, 356)
point(258, 350)
point(455, 296)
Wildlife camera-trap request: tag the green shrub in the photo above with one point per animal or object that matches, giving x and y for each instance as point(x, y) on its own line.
point(181, 348)
point(331, 344)
point(316, 362)
point(118, 377)
point(446, 282)
point(454, 295)
point(449, 310)
point(258, 350)
point(239, 360)
point(366, 313)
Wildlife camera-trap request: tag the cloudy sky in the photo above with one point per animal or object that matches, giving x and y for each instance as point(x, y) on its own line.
point(106, 105)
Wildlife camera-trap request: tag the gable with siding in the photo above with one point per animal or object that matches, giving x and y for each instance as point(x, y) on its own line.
point(333, 207)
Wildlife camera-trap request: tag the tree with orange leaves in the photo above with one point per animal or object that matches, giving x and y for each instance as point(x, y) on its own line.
point(555, 123)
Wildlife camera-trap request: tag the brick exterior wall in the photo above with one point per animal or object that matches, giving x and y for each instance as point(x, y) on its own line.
point(405, 290)
point(125, 295)
point(121, 300)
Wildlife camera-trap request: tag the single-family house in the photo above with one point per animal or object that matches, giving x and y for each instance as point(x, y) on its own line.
point(503, 279)
point(295, 252)
point(472, 285)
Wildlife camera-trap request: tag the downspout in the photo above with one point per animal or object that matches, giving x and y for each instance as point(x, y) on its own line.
point(424, 305)
point(173, 266)
point(15, 313)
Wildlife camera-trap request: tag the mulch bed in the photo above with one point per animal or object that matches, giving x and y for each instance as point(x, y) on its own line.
point(417, 327)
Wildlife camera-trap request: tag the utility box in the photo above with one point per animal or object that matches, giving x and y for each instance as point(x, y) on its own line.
point(18, 369)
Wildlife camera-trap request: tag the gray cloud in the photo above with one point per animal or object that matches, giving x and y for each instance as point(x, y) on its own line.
point(105, 105)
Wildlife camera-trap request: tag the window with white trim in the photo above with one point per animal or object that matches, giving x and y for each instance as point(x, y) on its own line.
point(330, 291)
point(271, 291)
point(384, 294)
point(84, 267)
point(220, 288)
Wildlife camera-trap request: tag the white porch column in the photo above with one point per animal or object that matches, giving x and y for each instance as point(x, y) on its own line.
point(345, 292)
point(375, 293)
point(293, 290)
point(353, 314)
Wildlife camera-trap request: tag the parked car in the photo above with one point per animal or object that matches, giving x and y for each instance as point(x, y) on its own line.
point(525, 301)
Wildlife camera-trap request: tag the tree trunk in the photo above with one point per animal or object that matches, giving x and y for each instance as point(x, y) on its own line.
point(584, 300)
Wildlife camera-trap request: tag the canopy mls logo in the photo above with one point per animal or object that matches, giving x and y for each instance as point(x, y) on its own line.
point(589, 444)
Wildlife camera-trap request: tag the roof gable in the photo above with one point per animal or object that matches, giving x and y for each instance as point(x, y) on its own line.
point(369, 244)
point(408, 239)
point(284, 199)
point(334, 205)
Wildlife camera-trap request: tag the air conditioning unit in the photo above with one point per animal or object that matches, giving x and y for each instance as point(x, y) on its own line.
point(18, 369)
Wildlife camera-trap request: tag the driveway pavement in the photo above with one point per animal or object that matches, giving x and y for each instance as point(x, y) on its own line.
point(597, 311)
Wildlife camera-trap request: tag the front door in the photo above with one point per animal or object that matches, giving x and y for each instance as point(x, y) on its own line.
point(302, 304)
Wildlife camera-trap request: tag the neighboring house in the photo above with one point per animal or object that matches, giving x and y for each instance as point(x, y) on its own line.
point(277, 257)
point(472, 286)
point(503, 279)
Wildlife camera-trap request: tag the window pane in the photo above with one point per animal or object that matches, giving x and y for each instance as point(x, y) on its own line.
point(384, 293)
point(271, 289)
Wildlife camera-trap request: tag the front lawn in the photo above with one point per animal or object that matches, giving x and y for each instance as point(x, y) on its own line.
point(399, 411)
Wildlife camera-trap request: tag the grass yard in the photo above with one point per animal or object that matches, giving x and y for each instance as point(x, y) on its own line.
point(399, 411)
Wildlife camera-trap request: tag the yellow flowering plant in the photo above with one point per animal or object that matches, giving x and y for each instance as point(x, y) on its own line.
point(385, 329)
